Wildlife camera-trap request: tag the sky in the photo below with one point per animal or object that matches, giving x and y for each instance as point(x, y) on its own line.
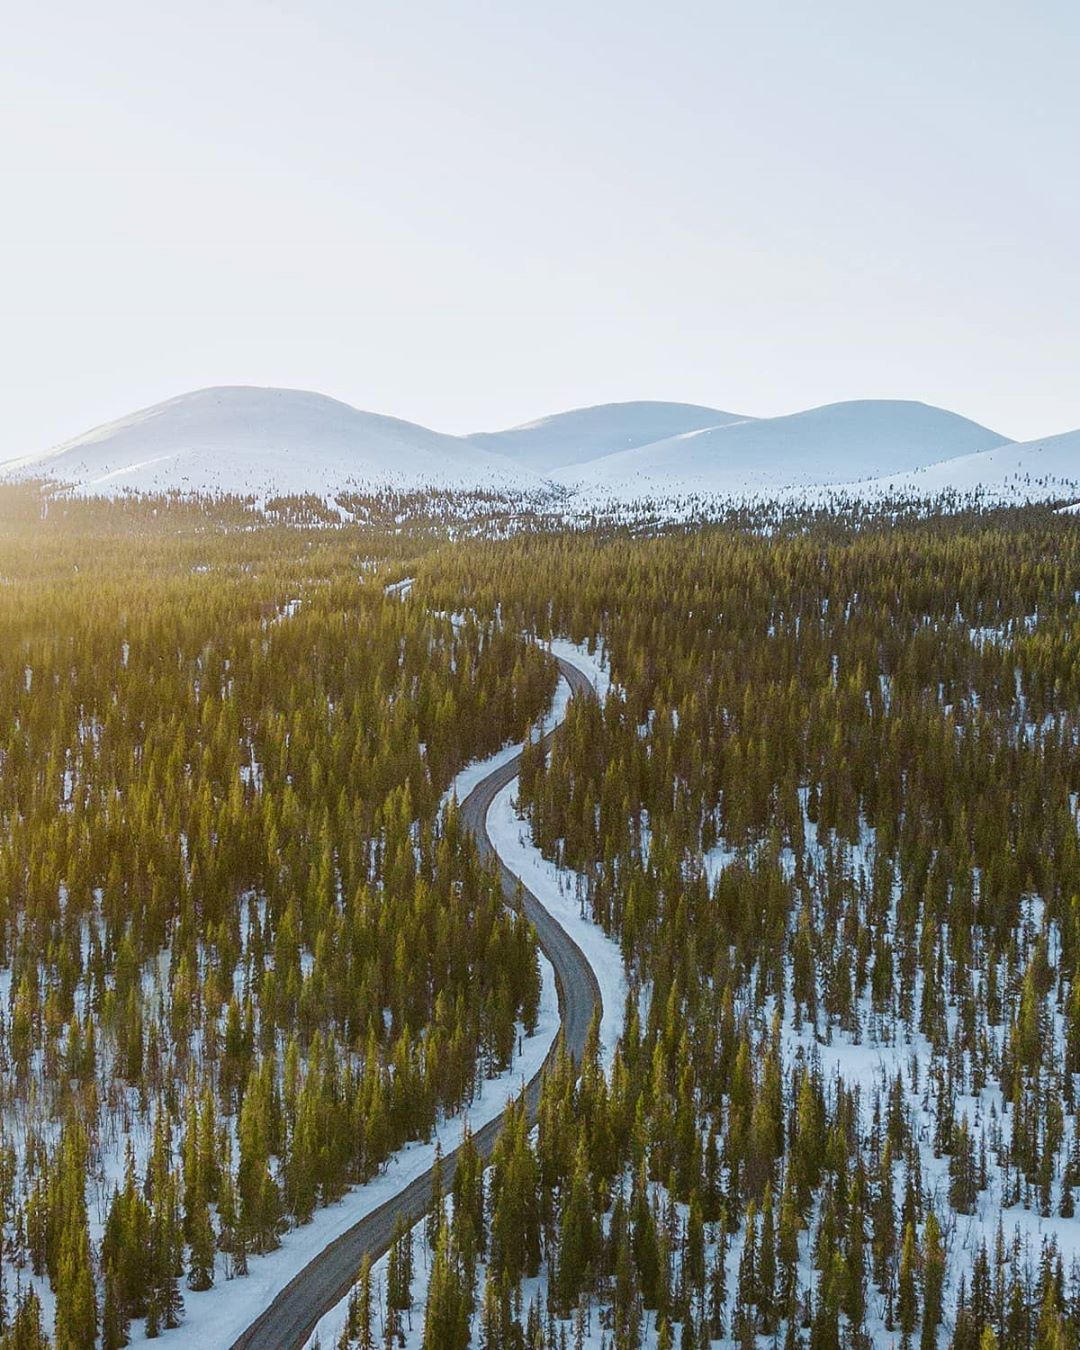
point(472, 214)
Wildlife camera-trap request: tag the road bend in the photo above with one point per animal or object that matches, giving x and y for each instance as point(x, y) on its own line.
point(287, 1323)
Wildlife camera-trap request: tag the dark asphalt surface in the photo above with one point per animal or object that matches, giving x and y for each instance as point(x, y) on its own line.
point(291, 1317)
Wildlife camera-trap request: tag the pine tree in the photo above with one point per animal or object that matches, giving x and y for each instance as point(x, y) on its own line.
point(360, 1308)
point(449, 1302)
point(933, 1281)
point(577, 1236)
point(766, 1272)
point(76, 1304)
point(202, 1243)
point(907, 1290)
point(26, 1331)
point(744, 1319)
point(435, 1214)
point(115, 1322)
point(76, 1299)
point(258, 1195)
point(718, 1287)
point(400, 1270)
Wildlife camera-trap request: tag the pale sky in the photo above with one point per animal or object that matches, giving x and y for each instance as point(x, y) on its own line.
point(472, 214)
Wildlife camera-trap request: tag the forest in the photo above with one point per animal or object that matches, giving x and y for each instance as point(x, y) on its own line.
point(245, 952)
point(827, 813)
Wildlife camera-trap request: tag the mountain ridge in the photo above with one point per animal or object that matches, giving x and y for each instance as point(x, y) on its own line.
point(248, 439)
point(1045, 467)
point(262, 442)
point(578, 434)
point(836, 442)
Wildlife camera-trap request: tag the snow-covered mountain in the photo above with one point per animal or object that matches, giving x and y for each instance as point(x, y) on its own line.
point(753, 457)
point(238, 439)
point(666, 457)
point(588, 433)
point(1015, 472)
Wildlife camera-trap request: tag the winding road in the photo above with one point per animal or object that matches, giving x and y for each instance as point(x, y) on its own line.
point(290, 1319)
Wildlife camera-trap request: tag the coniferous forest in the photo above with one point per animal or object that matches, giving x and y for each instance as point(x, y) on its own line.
point(826, 813)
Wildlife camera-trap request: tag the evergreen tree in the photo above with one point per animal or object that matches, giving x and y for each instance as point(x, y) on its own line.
point(907, 1288)
point(449, 1302)
point(933, 1281)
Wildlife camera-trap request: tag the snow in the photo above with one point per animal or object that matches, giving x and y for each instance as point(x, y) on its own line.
point(330, 1325)
point(558, 890)
point(220, 1314)
point(1027, 471)
point(868, 1060)
point(671, 459)
point(753, 457)
point(401, 588)
point(550, 885)
point(593, 665)
point(587, 433)
point(873, 1064)
point(479, 769)
point(239, 439)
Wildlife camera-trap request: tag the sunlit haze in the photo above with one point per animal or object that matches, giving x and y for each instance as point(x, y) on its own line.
point(471, 215)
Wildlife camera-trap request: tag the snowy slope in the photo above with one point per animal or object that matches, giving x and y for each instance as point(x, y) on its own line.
point(838, 443)
point(1025, 471)
point(247, 440)
point(587, 433)
point(666, 456)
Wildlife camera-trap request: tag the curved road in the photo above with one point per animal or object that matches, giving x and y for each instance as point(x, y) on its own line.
point(290, 1319)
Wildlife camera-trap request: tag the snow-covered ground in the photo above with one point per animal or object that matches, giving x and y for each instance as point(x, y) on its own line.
point(238, 439)
point(560, 891)
point(329, 1327)
point(557, 890)
point(401, 588)
point(760, 457)
point(217, 1316)
point(592, 664)
point(585, 434)
point(870, 1060)
point(656, 459)
point(479, 769)
point(595, 669)
point(1030, 471)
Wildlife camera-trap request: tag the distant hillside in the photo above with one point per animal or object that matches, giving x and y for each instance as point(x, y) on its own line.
point(833, 444)
point(613, 458)
point(238, 439)
point(1016, 472)
point(588, 433)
